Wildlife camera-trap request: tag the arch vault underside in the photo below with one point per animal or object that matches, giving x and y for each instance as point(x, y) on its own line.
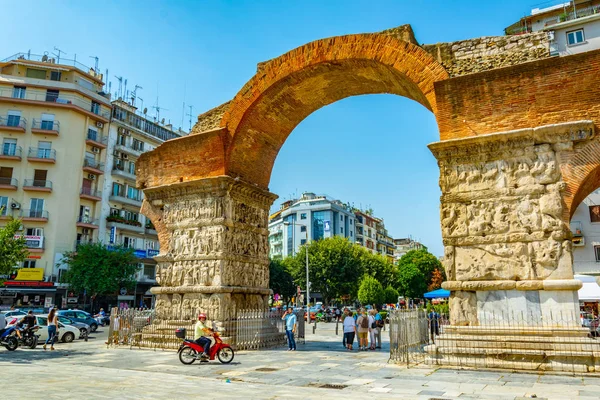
point(512, 170)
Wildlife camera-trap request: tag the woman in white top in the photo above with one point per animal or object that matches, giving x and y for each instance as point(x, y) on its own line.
point(349, 329)
point(372, 328)
point(52, 328)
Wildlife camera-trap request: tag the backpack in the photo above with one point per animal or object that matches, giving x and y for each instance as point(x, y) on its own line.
point(364, 322)
point(380, 323)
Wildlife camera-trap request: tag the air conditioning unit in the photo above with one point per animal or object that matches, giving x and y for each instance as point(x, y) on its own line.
point(99, 124)
point(117, 154)
point(124, 156)
point(121, 130)
point(91, 176)
point(15, 206)
point(86, 232)
point(95, 149)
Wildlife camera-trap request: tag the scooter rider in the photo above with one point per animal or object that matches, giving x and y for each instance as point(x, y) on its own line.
point(201, 331)
point(29, 319)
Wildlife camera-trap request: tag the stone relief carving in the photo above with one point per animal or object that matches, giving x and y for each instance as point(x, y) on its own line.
point(463, 308)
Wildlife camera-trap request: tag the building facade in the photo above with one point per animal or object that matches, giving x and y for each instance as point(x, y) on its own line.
point(585, 227)
point(54, 119)
point(403, 246)
point(311, 217)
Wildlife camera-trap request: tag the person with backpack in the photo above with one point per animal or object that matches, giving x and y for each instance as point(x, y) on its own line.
point(380, 323)
point(363, 330)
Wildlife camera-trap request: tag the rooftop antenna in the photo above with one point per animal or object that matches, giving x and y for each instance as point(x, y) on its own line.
point(120, 79)
point(142, 106)
point(106, 76)
point(109, 87)
point(134, 94)
point(125, 90)
point(96, 63)
point(190, 115)
point(157, 109)
point(58, 55)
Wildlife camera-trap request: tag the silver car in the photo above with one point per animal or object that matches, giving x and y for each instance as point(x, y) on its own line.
point(84, 329)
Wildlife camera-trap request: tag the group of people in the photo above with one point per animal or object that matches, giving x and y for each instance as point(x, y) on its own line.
point(29, 321)
point(367, 325)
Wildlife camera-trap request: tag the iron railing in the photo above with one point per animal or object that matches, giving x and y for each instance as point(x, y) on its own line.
point(45, 125)
point(36, 152)
point(37, 183)
point(10, 149)
point(96, 137)
point(87, 220)
point(89, 163)
point(34, 214)
point(91, 192)
point(13, 121)
point(9, 181)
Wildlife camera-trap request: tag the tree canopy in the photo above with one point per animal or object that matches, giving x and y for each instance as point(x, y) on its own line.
point(411, 281)
point(370, 291)
point(419, 270)
point(12, 250)
point(390, 295)
point(100, 271)
point(281, 280)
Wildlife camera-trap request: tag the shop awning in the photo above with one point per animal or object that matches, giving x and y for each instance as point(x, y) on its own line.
point(590, 291)
point(437, 294)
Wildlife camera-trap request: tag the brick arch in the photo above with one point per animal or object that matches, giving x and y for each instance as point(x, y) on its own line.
point(289, 88)
point(582, 175)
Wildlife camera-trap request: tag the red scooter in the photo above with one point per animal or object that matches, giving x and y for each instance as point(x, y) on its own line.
point(190, 351)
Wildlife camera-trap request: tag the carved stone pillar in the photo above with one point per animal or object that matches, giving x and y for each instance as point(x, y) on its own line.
point(508, 255)
point(214, 248)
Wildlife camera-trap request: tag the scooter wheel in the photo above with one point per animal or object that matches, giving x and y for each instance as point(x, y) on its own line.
point(225, 355)
point(187, 355)
point(11, 343)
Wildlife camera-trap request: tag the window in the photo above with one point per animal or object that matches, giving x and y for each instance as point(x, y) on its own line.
point(47, 122)
point(597, 253)
point(350, 221)
point(350, 233)
point(302, 228)
point(9, 147)
point(137, 145)
point(84, 214)
point(3, 205)
point(95, 107)
point(575, 37)
point(19, 92)
point(149, 271)
point(36, 208)
point(117, 189)
point(29, 264)
point(594, 213)
point(92, 134)
point(303, 216)
point(55, 75)
point(85, 83)
point(115, 212)
point(128, 242)
point(51, 95)
point(121, 139)
point(42, 321)
point(302, 241)
point(318, 225)
point(341, 230)
point(14, 118)
point(5, 175)
point(133, 193)
point(132, 168)
point(341, 217)
point(39, 177)
point(35, 73)
point(44, 149)
point(34, 232)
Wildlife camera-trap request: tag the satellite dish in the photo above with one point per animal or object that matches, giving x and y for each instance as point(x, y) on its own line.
point(145, 110)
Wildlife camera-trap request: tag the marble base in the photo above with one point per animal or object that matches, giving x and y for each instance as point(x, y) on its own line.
point(541, 307)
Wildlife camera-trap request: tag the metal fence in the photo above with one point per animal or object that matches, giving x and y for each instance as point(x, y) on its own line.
point(516, 341)
point(247, 330)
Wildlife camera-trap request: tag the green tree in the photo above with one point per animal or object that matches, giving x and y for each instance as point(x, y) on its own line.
point(425, 262)
point(281, 280)
point(370, 291)
point(379, 267)
point(100, 271)
point(334, 267)
point(390, 295)
point(12, 250)
point(411, 281)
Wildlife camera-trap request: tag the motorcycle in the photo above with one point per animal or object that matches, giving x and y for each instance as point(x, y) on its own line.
point(29, 338)
point(7, 338)
point(190, 351)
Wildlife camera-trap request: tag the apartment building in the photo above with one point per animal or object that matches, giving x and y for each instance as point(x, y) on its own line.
point(54, 118)
point(311, 217)
point(572, 27)
point(385, 243)
point(403, 246)
point(130, 134)
point(366, 231)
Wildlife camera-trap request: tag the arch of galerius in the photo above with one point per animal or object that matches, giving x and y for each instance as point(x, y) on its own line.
point(516, 155)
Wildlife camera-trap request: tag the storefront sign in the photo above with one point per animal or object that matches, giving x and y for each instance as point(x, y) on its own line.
point(48, 302)
point(32, 242)
point(139, 253)
point(30, 274)
point(326, 226)
point(29, 284)
point(153, 253)
point(113, 234)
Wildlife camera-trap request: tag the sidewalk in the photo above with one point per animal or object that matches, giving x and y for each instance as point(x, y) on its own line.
point(320, 369)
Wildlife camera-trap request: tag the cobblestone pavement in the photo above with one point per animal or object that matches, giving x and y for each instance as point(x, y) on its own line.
point(92, 370)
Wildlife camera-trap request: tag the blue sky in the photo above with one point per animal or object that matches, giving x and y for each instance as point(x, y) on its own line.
point(367, 150)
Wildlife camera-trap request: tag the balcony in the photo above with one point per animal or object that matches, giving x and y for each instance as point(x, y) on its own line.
point(11, 152)
point(124, 224)
point(34, 215)
point(90, 194)
point(119, 170)
point(35, 185)
point(13, 123)
point(95, 139)
point(83, 241)
point(45, 127)
point(577, 231)
point(128, 150)
point(9, 183)
point(93, 166)
point(87, 222)
point(36, 154)
point(126, 200)
point(150, 229)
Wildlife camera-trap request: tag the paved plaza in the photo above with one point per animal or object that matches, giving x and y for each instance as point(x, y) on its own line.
point(319, 369)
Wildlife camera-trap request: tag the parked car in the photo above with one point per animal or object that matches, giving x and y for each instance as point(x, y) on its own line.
point(80, 316)
point(14, 314)
point(84, 329)
point(67, 333)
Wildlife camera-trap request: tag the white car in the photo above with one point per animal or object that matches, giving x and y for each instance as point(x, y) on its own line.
point(66, 333)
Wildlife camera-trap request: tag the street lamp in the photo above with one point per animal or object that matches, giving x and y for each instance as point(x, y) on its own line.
point(294, 223)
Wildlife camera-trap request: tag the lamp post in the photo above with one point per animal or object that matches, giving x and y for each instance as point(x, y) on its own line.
point(294, 223)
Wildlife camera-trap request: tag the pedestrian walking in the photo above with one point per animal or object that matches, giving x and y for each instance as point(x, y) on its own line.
point(363, 330)
point(338, 314)
point(290, 328)
point(52, 328)
point(372, 328)
point(349, 329)
point(380, 325)
point(434, 324)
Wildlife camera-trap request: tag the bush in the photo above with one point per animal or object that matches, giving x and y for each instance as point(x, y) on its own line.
point(370, 291)
point(390, 295)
